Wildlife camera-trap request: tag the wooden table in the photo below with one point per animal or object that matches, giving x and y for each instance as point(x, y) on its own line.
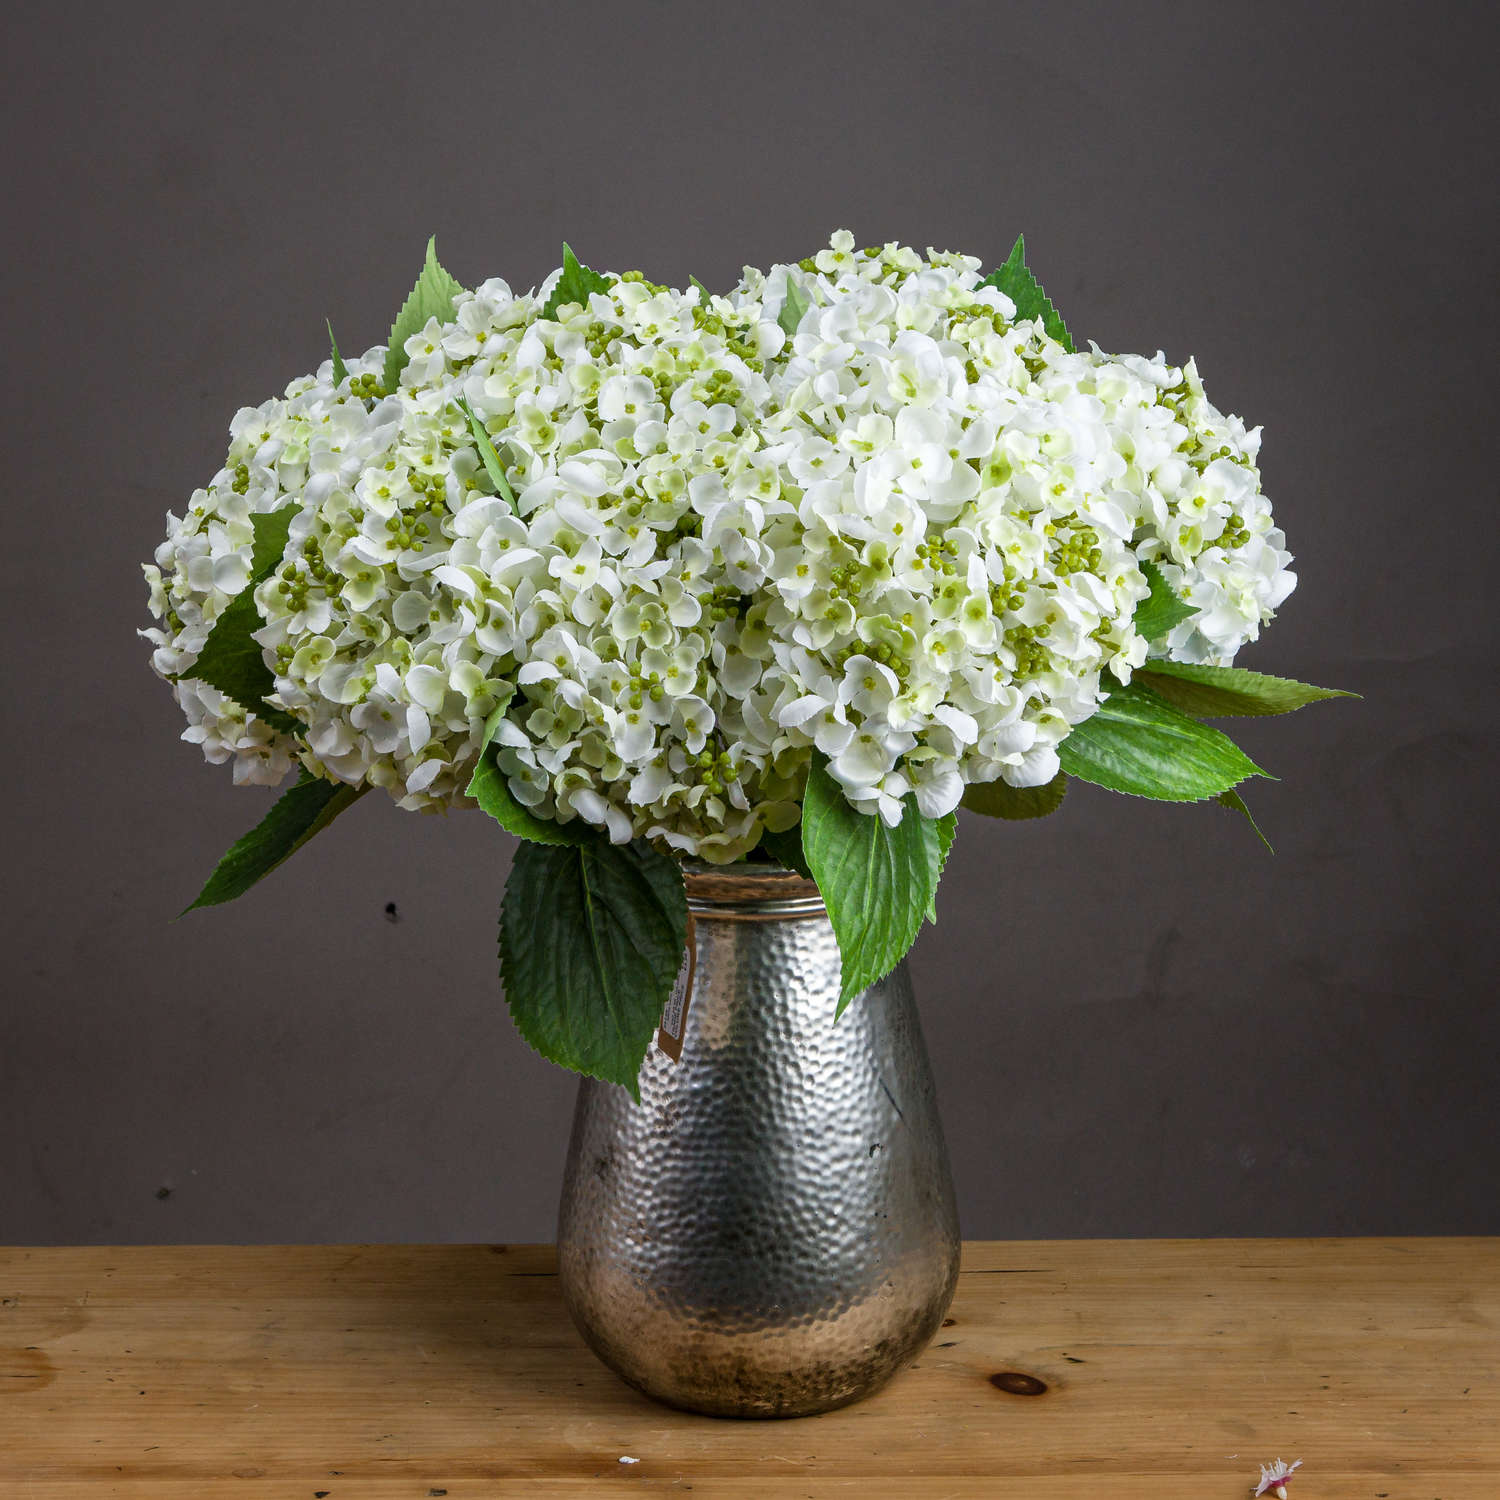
point(1161, 1370)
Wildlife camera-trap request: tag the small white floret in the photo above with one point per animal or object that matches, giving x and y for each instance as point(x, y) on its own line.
point(1274, 1477)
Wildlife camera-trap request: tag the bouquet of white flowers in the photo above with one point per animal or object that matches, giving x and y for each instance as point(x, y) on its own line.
point(653, 575)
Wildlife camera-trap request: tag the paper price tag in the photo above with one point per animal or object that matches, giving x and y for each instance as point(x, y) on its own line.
point(674, 1017)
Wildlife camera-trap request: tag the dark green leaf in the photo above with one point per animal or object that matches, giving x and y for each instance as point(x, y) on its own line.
point(591, 939)
point(231, 660)
point(307, 808)
point(786, 849)
point(488, 454)
point(1138, 743)
point(999, 799)
point(1229, 692)
point(877, 882)
point(793, 309)
point(431, 297)
point(1236, 803)
point(490, 790)
point(1162, 611)
point(340, 369)
point(576, 284)
point(1014, 278)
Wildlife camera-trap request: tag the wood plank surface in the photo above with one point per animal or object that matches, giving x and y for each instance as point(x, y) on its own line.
point(1172, 1369)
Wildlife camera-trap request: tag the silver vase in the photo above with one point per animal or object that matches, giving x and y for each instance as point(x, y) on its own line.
point(772, 1231)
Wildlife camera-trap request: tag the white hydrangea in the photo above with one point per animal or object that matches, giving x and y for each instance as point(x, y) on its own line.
point(909, 536)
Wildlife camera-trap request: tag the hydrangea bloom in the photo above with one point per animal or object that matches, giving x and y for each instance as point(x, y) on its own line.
point(910, 535)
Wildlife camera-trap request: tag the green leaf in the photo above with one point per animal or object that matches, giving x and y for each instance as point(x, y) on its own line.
point(489, 788)
point(1014, 278)
point(575, 284)
point(269, 530)
point(877, 882)
point(591, 939)
point(431, 297)
point(947, 831)
point(231, 660)
point(1236, 803)
point(488, 454)
point(786, 849)
point(793, 308)
point(998, 799)
point(1162, 611)
point(308, 808)
point(1229, 692)
point(1139, 744)
point(340, 369)
point(703, 302)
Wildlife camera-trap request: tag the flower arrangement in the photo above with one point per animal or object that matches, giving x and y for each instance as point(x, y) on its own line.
point(652, 575)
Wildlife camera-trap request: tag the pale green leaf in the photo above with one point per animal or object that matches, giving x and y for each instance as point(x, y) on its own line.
point(1229, 692)
point(999, 799)
point(306, 809)
point(877, 882)
point(591, 939)
point(487, 453)
point(1014, 278)
point(1139, 744)
point(576, 284)
point(231, 660)
point(340, 369)
point(431, 297)
point(1162, 611)
point(793, 309)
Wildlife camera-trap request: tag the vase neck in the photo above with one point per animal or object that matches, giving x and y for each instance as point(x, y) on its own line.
point(750, 892)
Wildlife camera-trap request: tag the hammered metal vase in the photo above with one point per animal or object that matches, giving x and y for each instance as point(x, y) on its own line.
point(771, 1232)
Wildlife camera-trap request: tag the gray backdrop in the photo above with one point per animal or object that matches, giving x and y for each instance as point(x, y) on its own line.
point(1141, 1022)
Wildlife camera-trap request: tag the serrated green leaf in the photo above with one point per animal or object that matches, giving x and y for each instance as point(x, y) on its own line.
point(231, 660)
point(786, 849)
point(947, 831)
point(793, 308)
point(431, 297)
point(340, 369)
point(1229, 692)
point(1161, 611)
point(576, 284)
point(1015, 279)
point(999, 799)
point(306, 809)
point(487, 453)
point(877, 882)
point(591, 939)
point(489, 788)
point(1139, 744)
point(1236, 803)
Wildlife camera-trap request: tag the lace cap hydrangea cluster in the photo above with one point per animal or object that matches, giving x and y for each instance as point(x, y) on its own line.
point(911, 533)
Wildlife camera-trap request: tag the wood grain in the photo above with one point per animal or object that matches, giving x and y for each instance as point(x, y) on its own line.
point(1171, 1370)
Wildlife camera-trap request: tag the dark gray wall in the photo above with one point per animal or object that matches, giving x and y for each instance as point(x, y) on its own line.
point(1142, 1024)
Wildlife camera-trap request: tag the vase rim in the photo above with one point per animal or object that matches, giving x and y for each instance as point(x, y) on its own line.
point(747, 891)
